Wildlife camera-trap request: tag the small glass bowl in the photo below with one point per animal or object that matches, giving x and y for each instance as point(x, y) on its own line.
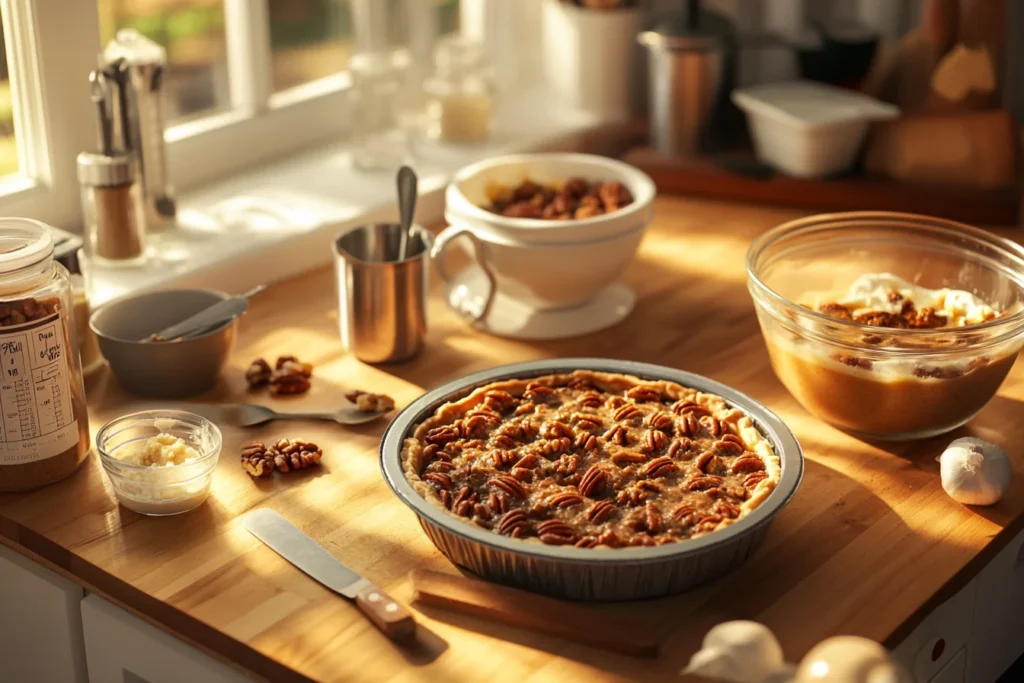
point(879, 382)
point(160, 491)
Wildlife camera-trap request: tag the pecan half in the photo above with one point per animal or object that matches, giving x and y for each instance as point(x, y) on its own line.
point(439, 479)
point(538, 392)
point(528, 461)
point(257, 459)
point(600, 511)
point(652, 518)
point(497, 502)
point(585, 442)
point(500, 458)
point(754, 478)
point(587, 542)
point(726, 509)
point(654, 441)
point(662, 421)
point(286, 383)
point(504, 441)
point(588, 423)
point(509, 485)
point(593, 482)
point(512, 521)
point(679, 447)
point(628, 458)
point(711, 424)
point(442, 435)
point(626, 412)
point(565, 499)
point(643, 394)
point(687, 425)
point(659, 467)
point(703, 483)
point(591, 399)
point(688, 407)
point(555, 532)
point(616, 435)
point(749, 463)
point(685, 513)
point(499, 400)
point(556, 429)
point(258, 373)
point(709, 463)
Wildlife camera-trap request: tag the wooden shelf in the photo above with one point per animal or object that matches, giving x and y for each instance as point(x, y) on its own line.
point(711, 180)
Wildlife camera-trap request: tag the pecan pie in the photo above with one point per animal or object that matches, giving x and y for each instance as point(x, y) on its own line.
point(591, 459)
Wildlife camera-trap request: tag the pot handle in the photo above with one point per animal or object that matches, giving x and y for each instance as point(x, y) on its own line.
point(441, 242)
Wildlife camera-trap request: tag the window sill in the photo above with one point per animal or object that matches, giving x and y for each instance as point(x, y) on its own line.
point(280, 221)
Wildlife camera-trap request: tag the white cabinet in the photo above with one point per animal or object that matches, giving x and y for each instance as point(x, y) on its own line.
point(940, 638)
point(997, 637)
point(122, 648)
point(40, 624)
point(955, 671)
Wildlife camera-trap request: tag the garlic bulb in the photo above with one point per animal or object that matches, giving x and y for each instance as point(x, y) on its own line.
point(738, 652)
point(974, 472)
point(849, 659)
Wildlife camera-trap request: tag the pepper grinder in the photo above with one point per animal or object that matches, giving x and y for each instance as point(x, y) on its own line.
point(111, 194)
point(136, 65)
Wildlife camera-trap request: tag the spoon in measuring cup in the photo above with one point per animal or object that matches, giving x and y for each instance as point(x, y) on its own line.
point(406, 206)
point(214, 315)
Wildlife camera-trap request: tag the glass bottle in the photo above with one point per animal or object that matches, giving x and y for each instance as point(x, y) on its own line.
point(45, 428)
point(379, 97)
point(460, 95)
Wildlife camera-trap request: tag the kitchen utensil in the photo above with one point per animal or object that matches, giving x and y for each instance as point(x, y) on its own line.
point(110, 191)
point(382, 309)
point(180, 370)
point(406, 206)
point(807, 129)
point(250, 415)
point(528, 611)
point(580, 573)
point(137, 64)
point(160, 491)
point(289, 542)
point(214, 316)
point(691, 62)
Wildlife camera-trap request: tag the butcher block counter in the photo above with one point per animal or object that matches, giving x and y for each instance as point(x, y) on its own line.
point(869, 546)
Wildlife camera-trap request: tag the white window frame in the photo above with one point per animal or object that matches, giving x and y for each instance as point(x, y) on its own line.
point(52, 46)
point(46, 41)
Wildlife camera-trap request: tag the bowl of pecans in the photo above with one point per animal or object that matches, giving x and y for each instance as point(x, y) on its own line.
point(552, 230)
point(592, 479)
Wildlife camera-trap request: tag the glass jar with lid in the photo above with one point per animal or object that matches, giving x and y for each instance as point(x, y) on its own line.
point(44, 428)
point(460, 95)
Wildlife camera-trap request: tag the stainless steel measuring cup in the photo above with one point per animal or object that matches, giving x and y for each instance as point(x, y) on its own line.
point(382, 310)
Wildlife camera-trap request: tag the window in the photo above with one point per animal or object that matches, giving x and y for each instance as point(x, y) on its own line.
point(196, 80)
point(246, 81)
point(8, 143)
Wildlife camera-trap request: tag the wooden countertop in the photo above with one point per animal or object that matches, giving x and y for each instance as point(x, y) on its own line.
point(868, 543)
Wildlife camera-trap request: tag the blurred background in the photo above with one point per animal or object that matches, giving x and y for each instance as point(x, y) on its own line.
point(310, 39)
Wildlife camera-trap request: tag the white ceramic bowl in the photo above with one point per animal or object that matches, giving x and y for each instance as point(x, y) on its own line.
point(467, 194)
point(553, 275)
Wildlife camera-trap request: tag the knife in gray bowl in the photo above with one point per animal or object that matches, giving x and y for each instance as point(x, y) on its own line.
point(289, 542)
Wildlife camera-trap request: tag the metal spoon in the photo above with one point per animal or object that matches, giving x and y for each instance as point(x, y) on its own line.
point(209, 317)
point(250, 415)
point(406, 206)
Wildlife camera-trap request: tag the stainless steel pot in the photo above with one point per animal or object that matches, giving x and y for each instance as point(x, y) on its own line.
point(580, 573)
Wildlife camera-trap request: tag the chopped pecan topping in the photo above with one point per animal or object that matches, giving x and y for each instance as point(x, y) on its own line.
point(556, 429)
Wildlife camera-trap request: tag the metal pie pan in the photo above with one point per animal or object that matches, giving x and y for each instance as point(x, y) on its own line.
point(582, 573)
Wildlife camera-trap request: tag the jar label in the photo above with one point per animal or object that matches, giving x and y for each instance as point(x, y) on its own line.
point(35, 395)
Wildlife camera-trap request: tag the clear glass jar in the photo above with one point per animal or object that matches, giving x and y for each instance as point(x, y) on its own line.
point(85, 339)
point(44, 427)
point(884, 382)
point(460, 95)
point(380, 97)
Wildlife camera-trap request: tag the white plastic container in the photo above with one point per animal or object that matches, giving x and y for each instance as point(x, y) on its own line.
point(807, 129)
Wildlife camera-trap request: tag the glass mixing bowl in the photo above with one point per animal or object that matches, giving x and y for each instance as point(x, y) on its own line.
point(881, 382)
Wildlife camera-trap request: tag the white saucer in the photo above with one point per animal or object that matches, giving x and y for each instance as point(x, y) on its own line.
point(514, 319)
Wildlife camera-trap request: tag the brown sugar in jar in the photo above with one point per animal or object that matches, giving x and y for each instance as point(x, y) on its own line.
point(44, 427)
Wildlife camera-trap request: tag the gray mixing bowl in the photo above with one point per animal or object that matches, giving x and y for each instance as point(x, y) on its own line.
point(171, 370)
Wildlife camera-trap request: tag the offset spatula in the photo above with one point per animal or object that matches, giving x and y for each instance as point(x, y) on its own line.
point(302, 551)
